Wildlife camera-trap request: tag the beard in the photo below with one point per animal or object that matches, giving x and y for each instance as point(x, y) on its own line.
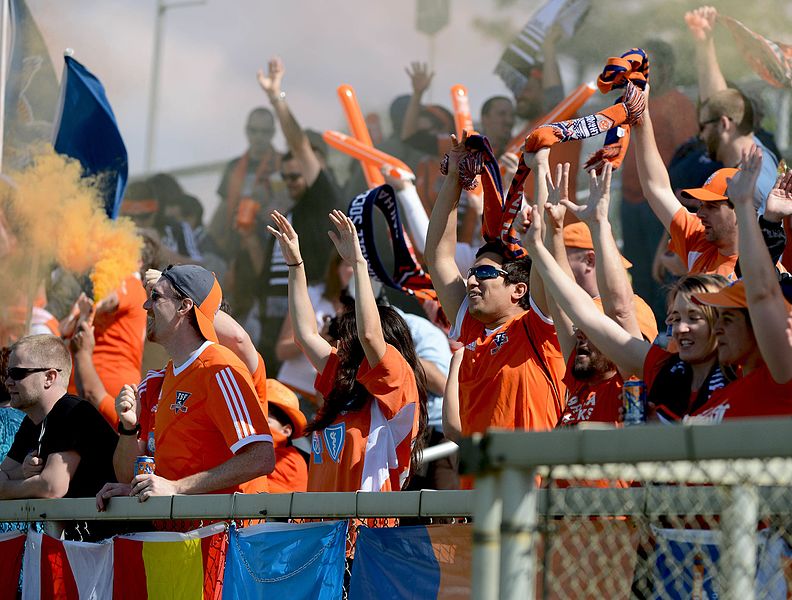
point(590, 365)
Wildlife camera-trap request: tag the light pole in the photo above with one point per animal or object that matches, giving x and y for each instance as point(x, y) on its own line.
point(151, 126)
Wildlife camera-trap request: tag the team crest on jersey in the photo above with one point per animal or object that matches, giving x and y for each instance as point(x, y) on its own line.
point(499, 339)
point(334, 440)
point(181, 399)
point(471, 346)
point(316, 447)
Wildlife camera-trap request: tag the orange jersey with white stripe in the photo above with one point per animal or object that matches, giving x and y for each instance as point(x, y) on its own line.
point(207, 410)
point(689, 243)
point(368, 449)
point(512, 377)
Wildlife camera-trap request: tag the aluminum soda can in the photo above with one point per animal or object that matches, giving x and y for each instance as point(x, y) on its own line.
point(634, 400)
point(144, 465)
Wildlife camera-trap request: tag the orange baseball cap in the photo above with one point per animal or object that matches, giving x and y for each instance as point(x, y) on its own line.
point(577, 235)
point(200, 286)
point(286, 400)
point(714, 189)
point(732, 296)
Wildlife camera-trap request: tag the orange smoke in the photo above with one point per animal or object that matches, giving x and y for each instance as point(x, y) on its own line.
point(56, 216)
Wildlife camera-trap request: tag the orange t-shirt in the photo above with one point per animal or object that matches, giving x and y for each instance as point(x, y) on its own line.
point(643, 313)
point(369, 449)
point(118, 354)
point(260, 384)
point(291, 472)
point(511, 378)
point(599, 402)
point(754, 395)
point(699, 255)
point(207, 410)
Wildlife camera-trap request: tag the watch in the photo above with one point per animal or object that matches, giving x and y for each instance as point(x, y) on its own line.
point(124, 431)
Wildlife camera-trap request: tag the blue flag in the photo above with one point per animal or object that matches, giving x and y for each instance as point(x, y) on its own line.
point(412, 563)
point(86, 130)
point(286, 561)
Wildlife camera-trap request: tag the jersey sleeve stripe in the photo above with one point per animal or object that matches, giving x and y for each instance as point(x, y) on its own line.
point(237, 400)
point(234, 396)
point(249, 440)
point(242, 402)
point(222, 385)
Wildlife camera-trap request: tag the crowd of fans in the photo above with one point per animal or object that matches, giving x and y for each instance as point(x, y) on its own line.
point(324, 380)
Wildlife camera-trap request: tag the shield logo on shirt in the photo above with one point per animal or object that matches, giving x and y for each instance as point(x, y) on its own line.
point(181, 398)
point(334, 440)
point(316, 447)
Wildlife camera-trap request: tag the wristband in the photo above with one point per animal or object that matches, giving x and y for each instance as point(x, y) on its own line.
point(124, 431)
point(297, 264)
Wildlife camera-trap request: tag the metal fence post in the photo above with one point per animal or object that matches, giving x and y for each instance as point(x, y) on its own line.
point(737, 562)
point(518, 535)
point(487, 506)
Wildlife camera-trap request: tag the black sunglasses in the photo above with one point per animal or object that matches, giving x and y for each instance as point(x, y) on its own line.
point(19, 373)
point(290, 176)
point(483, 272)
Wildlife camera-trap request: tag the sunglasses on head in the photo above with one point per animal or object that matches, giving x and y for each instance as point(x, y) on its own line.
point(19, 373)
point(483, 272)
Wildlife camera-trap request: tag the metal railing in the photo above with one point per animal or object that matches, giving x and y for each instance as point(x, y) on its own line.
point(527, 481)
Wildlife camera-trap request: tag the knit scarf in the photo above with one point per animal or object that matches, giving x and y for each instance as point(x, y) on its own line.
point(499, 212)
point(629, 71)
point(267, 166)
point(670, 392)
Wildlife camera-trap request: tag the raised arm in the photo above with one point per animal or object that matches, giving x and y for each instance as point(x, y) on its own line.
point(655, 184)
point(765, 301)
point(367, 317)
point(296, 139)
point(128, 447)
point(627, 352)
point(701, 23)
point(89, 385)
point(539, 163)
point(452, 426)
point(555, 211)
point(306, 334)
point(234, 337)
point(441, 237)
point(421, 79)
point(612, 280)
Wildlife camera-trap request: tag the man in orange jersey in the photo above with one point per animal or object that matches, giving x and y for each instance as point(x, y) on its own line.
point(512, 367)
point(210, 434)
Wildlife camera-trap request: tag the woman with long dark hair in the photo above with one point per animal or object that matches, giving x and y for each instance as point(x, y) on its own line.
point(370, 428)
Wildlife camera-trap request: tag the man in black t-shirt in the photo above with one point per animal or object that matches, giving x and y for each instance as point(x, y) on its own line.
point(67, 443)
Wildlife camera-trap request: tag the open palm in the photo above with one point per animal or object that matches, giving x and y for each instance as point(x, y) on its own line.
point(345, 237)
point(596, 209)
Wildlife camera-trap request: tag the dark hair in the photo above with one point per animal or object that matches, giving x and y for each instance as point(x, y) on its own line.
point(333, 286)
point(397, 110)
point(518, 270)
point(487, 106)
point(348, 394)
point(261, 110)
point(279, 415)
point(150, 252)
point(5, 397)
point(190, 206)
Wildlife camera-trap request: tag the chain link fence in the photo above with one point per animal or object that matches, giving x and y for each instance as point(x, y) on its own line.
point(647, 512)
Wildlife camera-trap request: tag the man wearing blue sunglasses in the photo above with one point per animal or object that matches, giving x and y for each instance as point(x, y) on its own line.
point(512, 366)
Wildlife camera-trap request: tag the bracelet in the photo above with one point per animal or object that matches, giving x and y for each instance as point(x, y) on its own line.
point(124, 431)
point(295, 264)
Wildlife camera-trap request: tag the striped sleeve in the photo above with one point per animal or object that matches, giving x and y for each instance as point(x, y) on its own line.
point(237, 411)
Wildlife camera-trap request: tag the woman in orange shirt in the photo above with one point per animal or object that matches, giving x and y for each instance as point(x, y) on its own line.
point(371, 425)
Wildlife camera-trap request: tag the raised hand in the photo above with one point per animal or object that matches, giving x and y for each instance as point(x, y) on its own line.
point(457, 152)
point(271, 81)
point(741, 187)
point(287, 238)
point(596, 210)
point(557, 192)
point(151, 278)
point(701, 22)
point(420, 77)
point(83, 339)
point(779, 200)
point(346, 240)
point(533, 234)
point(126, 406)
